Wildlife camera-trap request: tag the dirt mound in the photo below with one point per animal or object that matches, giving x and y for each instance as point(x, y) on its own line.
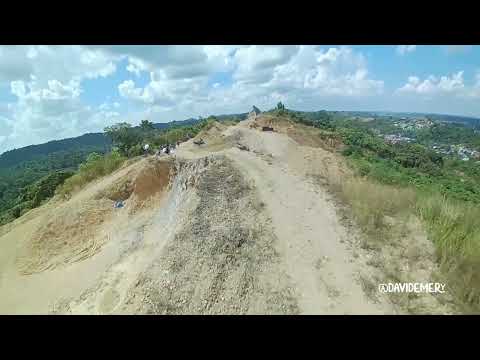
point(212, 136)
point(222, 261)
point(302, 134)
point(71, 235)
point(151, 182)
point(212, 131)
point(266, 120)
point(140, 184)
point(152, 179)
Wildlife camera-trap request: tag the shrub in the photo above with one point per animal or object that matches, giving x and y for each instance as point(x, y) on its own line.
point(135, 150)
point(124, 136)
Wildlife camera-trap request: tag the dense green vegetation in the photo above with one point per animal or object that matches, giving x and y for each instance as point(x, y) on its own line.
point(23, 170)
point(16, 180)
point(449, 134)
point(376, 125)
point(84, 143)
point(34, 195)
point(412, 164)
point(320, 119)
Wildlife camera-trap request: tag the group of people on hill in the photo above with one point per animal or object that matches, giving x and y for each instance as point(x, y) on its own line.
point(167, 150)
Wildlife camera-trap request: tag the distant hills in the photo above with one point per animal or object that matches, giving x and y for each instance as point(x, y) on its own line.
point(192, 121)
point(170, 124)
point(465, 120)
point(85, 143)
point(99, 143)
point(92, 141)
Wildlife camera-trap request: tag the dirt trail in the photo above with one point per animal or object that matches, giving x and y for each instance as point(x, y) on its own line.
point(310, 237)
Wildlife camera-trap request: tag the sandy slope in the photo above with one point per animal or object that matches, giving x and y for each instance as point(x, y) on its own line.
point(237, 232)
point(37, 293)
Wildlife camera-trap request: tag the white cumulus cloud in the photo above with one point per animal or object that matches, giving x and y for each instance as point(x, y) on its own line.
point(432, 85)
point(261, 73)
point(42, 113)
point(63, 63)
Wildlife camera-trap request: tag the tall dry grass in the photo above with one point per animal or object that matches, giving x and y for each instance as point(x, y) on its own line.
point(373, 203)
point(374, 206)
point(454, 228)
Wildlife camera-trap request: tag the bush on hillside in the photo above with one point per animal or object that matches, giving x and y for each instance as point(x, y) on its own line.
point(123, 136)
point(96, 166)
point(135, 150)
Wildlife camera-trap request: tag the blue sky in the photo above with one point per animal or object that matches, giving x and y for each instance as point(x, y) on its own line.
point(52, 92)
point(386, 64)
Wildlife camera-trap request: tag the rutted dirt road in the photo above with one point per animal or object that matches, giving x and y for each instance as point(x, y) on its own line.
point(309, 239)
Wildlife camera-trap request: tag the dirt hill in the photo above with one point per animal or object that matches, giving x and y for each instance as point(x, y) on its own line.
point(237, 225)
